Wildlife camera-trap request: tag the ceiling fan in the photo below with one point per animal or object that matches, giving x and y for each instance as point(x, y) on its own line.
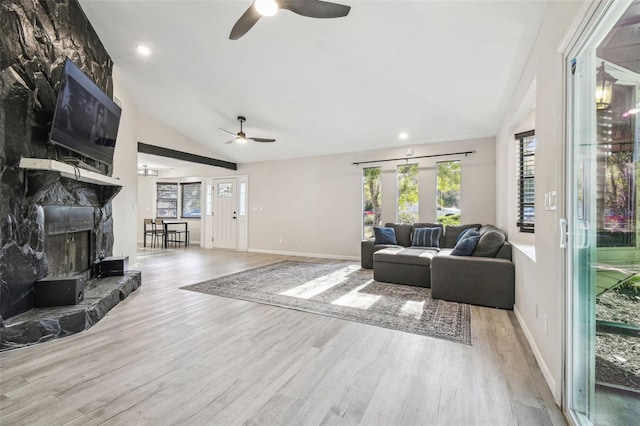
point(241, 137)
point(309, 8)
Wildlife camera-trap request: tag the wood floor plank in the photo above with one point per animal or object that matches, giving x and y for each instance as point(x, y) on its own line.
point(168, 356)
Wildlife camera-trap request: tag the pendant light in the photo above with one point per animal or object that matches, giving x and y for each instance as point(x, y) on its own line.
point(145, 171)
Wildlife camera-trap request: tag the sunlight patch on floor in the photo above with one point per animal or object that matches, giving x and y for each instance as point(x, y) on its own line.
point(320, 284)
point(412, 309)
point(355, 299)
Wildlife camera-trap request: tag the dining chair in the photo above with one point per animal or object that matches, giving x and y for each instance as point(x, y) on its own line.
point(159, 231)
point(149, 230)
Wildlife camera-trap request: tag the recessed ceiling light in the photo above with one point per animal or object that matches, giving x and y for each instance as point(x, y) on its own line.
point(143, 50)
point(403, 135)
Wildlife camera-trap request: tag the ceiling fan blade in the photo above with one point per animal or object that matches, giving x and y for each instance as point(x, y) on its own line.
point(244, 24)
point(231, 141)
point(261, 140)
point(315, 8)
point(226, 131)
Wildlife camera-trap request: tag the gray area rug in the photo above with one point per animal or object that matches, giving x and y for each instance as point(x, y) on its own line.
point(344, 290)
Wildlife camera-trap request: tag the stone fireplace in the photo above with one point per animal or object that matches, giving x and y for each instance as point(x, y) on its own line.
point(66, 226)
point(34, 243)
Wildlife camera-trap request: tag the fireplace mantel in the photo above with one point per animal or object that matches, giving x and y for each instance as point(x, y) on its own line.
point(68, 171)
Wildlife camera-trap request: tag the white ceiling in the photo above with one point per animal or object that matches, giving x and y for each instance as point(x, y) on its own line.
point(438, 70)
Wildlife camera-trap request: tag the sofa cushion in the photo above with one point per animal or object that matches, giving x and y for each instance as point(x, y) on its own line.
point(485, 228)
point(403, 233)
point(407, 256)
point(466, 246)
point(451, 234)
point(505, 251)
point(469, 232)
point(430, 225)
point(426, 237)
point(490, 243)
point(384, 235)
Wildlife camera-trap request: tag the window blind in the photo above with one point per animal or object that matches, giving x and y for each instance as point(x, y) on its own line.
point(526, 155)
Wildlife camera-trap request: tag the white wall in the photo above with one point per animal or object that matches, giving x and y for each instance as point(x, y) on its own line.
point(315, 204)
point(125, 168)
point(537, 277)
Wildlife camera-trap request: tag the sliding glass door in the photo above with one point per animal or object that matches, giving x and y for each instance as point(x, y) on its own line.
point(603, 263)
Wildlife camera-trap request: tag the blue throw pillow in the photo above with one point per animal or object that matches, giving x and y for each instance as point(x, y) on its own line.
point(469, 232)
point(426, 237)
point(466, 246)
point(384, 235)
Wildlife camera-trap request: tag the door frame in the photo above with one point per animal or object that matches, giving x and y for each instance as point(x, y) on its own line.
point(596, 20)
point(242, 222)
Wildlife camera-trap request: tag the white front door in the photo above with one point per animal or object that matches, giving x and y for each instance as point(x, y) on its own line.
point(225, 213)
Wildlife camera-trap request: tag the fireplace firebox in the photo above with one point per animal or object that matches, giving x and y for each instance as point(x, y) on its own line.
point(69, 240)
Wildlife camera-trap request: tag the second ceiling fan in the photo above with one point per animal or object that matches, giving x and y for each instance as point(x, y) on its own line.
point(308, 8)
point(241, 137)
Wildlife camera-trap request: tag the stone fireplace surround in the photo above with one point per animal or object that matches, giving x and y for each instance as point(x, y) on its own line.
point(37, 37)
point(67, 227)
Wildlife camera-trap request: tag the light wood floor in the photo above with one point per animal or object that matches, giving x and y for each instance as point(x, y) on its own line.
point(168, 356)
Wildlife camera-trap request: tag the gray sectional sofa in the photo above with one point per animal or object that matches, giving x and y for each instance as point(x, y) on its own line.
point(486, 277)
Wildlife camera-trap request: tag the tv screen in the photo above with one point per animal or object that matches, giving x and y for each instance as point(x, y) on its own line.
point(86, 120)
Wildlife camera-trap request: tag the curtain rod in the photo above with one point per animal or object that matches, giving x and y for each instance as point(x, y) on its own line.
point(466, 153)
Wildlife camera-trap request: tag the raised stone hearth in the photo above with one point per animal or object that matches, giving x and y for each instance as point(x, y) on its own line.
point(42, 324)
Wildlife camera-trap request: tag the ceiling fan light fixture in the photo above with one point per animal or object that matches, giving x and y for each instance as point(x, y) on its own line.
point(266, 7)
point(241, 136)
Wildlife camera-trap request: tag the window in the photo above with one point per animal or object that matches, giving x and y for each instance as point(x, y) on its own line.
point(225, 190)
point(167, 200)
point(448, 192)
point(408, 193)
point(526, 157)
point(371, 200)
point(191, 199)
point(242, 201)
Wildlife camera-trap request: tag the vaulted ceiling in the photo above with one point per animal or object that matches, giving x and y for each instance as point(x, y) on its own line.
point(437, 70)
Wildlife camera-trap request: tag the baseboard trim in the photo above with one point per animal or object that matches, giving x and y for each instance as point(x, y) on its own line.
point(546, 372)
point(293, 253)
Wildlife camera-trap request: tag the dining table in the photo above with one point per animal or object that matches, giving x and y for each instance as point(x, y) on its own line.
point(175, 228)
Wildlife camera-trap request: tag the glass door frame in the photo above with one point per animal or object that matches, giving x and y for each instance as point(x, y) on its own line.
point(597, 22)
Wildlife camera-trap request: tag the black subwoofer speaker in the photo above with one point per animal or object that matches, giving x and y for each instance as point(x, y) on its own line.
point(59, 291)
point(112, 266)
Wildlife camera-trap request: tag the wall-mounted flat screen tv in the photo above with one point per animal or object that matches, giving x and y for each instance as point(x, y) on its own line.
point(86, 120)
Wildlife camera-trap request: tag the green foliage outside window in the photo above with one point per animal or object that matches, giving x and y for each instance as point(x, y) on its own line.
point(408, 193)
point(372, 200)
point(448, 192)
point(452, 220)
